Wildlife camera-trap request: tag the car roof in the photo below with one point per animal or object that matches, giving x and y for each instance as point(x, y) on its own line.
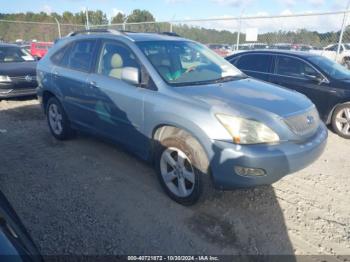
point(302, 54)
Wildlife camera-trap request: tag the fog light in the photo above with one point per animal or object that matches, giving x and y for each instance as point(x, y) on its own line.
point(246, 171)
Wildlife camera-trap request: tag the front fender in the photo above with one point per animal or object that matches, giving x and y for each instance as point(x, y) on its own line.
point(161, 119)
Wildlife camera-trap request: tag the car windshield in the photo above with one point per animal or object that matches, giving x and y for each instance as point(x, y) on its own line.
point(9, 54)
point(182, 63)
point(332, 68)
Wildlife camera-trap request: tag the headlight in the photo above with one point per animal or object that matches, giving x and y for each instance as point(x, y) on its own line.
point(5, 78)
point(245, 131)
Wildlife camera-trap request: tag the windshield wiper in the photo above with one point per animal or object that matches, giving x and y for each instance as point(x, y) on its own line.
point(228, 78)
point(213, 81)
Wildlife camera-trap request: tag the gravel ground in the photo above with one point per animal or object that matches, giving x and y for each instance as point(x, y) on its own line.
point(85, 196)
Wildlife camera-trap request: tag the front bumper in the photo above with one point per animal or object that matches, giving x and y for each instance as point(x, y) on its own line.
point(277, 160)
point(17, 93)
point(8, 90)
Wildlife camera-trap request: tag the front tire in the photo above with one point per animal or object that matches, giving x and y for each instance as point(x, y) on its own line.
point(341, 121)
point(182, 168)
point(57, 120)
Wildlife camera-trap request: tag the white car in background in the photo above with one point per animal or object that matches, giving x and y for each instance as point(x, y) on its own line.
point(330, 52)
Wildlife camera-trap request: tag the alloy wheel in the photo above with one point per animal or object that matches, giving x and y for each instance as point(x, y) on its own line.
point(55, 119)
point(177, 172)
point(343, 121)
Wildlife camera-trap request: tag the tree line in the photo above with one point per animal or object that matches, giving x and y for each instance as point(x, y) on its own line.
point(48, 31)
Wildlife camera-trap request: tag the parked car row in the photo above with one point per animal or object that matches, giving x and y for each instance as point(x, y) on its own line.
point(331, 52)
point(36, 48)
point(221, 49)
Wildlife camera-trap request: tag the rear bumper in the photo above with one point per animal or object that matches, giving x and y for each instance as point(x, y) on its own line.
point(277, 160)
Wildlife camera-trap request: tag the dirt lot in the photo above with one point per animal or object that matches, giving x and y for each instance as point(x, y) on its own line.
point(85, 196)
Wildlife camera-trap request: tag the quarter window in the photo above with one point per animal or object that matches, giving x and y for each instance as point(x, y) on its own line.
point(58, 57)
point(289, 66)
point(258, 63)
point(81, 55)
point(234, 60)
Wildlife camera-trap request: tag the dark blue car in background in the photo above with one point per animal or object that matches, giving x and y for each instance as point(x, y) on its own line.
point(322, 80)
point(17, 72)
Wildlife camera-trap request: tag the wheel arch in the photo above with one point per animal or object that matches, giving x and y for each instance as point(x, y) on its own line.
point(46, 96)
point(165, 130)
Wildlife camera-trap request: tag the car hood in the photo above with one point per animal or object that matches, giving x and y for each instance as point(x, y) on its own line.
point(18, 69)
point(249, 93)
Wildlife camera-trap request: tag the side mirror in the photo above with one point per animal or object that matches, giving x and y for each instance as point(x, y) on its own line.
point(316, 78)
point(131, 75)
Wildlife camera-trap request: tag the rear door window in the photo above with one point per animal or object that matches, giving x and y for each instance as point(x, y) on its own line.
point(257, 62)
point(61, 56)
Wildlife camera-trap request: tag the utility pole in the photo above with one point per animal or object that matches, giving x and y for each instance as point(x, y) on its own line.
point(87, 18)
point(342, 29)
point(58, 27)
point(124, 22)
point(171, 24)
point(240, 28)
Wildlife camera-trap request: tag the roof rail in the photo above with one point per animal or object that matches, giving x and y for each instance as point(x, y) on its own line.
point(112, 31)
point(170, 34)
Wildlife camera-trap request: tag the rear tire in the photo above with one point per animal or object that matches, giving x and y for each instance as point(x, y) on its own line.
point(341, 121)
point(182, 168)
point(57, 120)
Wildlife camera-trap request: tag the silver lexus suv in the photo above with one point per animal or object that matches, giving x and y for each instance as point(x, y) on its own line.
point(176, 103)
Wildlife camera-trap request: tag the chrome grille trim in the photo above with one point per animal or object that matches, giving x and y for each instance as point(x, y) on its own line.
point(22, 78)
point(304, 124)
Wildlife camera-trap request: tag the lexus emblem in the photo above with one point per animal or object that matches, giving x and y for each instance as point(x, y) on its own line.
point(309, 120)
point(28, 78)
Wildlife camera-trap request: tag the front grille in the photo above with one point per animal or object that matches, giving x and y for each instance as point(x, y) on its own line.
point(23, 78)
point(304, 124)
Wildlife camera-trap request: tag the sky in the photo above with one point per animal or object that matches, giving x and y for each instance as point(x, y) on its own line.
point(178, 9)
point(165, 10)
